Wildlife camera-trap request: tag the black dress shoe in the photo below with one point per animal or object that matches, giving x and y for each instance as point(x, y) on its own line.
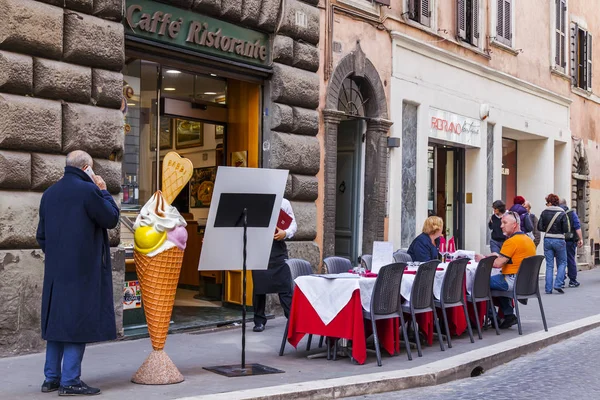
point(559, 290)
point(50, 386)
point(258, 328)
point(509, 321)
point(78, 390)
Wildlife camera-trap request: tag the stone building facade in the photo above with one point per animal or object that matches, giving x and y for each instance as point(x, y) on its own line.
point(61, 90)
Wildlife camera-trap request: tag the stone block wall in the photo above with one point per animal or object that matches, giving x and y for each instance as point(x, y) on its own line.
point(60, 90)
point(291, 123)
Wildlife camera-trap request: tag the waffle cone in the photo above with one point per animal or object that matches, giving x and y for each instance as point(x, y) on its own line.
point(158, 278)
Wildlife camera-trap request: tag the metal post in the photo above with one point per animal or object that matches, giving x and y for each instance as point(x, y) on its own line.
point(245, 217)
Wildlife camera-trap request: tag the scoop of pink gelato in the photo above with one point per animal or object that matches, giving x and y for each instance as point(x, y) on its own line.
point(178, 236)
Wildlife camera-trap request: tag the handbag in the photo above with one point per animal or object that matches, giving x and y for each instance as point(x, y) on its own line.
point(570, 235)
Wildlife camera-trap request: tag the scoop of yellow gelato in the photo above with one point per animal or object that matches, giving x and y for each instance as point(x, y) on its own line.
point(146, 239)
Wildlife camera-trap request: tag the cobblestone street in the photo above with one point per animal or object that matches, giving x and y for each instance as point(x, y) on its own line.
point(565, 370)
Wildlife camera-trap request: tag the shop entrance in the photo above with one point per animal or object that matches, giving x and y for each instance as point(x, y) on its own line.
point(446, 172)
point(211, 119)
point(349, 183)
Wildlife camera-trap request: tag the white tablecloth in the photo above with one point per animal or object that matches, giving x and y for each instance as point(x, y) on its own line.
point(329, 295)
point(409, 279)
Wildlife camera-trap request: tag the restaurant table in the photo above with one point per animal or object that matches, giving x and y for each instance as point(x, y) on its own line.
point(456, 317)
point(333, 306)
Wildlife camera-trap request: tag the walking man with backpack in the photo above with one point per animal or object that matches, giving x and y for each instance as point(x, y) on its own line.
point(573, 239)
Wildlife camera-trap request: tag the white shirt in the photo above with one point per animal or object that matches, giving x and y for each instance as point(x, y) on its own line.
point(286, 206)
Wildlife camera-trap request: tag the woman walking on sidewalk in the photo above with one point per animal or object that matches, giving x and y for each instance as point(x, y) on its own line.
point(555, 223)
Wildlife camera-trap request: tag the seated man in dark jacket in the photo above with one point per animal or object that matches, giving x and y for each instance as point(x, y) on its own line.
point(423, 248)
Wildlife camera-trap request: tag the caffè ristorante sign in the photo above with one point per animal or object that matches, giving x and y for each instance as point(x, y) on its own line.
point(171, 25)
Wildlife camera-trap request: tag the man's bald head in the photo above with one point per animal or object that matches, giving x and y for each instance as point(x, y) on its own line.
point(79, 159)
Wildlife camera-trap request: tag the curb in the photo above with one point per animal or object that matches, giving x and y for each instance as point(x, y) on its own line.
point(435, 373)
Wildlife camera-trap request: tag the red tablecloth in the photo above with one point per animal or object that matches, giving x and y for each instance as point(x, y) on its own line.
point(456, 320)
point(348, 324)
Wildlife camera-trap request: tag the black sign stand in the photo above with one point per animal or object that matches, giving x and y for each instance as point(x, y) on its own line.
point(244, 210)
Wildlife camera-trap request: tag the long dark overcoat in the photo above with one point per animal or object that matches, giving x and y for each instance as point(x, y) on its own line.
point(77, 299)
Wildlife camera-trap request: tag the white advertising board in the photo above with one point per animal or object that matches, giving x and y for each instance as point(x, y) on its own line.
point(222, 247)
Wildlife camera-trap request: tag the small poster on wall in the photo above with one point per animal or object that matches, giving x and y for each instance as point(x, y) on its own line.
point(239, 159)
point(132, 295)
point(201, 187)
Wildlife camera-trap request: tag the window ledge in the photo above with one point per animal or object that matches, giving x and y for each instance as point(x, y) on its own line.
point(582, 92)
point(427, 29)
point(471, 47)
point(372, 9)
point(557, 72)
point(504, 47)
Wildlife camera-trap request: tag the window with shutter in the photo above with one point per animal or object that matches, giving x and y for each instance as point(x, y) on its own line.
point(504, 22)
point(420, 11)
point(589, 62)
point(560, 34)
point(581, 57)
point(573, 52)
point(461, 18)
point(424, 12)
point(467, 21)
point(475, 22)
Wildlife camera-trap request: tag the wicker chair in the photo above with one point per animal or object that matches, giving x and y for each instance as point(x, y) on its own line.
point(453, 294)
point(337, 265)
point(421, 299)
point(402, 256)
point(527, 286)
point(385, 303)
point(481, 291)
point(366, 261)
point(298, 268)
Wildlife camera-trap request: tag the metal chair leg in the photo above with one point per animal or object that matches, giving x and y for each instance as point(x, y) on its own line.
point(376, 339)
point(309, 342)
point(328, 348)
point(436, 321)
point(335, 349)
point(405, 336)
point(446, 326)
point(542, 311)
point(477, 318)
point(416, 329)
point(518, 315)
point(468, 322)
point(494, 314)
point(285, 333)
point(321, 341)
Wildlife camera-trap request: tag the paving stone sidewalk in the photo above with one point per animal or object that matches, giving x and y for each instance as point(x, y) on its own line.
point(111, 365)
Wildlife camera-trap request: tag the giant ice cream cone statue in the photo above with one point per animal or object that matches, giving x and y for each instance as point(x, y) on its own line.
point(160, 239)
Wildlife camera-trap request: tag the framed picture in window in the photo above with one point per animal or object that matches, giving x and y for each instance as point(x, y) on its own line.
point(219, 131)
point(166, 133)
point(201, 187)
point(188, 133)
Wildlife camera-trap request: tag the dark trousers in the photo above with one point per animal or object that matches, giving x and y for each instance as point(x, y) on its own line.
point(259, 302)
point(572, 260)
point(70, 356)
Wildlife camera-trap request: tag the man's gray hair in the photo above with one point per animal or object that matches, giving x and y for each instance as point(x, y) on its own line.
point(79, 159)
point(563, 202)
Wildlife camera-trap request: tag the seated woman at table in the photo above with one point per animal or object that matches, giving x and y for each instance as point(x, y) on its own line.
point(423, 248)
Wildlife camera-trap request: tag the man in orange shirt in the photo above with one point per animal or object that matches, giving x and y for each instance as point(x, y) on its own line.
point(515, 249)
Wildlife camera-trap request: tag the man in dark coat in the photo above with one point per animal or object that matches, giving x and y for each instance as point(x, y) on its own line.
point(77, 299)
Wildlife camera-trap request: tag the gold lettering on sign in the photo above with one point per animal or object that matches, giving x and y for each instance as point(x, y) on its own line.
point(199, 33)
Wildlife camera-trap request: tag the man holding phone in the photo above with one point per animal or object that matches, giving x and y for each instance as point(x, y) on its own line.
point(277, 278)
point(77, 298)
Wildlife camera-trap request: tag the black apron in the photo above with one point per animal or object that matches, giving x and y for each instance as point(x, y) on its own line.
point(277, 278)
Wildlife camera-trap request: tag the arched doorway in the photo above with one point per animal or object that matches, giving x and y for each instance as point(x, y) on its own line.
point(356, 154)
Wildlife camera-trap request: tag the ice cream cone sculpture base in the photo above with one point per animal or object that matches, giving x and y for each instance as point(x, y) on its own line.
point(158, 369)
